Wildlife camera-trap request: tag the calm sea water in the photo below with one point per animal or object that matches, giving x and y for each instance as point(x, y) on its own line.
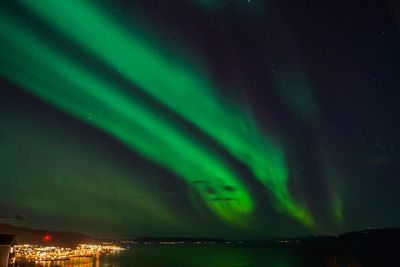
point(243, 256)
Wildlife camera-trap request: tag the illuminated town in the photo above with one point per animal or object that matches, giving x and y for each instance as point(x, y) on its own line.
point(28, 252)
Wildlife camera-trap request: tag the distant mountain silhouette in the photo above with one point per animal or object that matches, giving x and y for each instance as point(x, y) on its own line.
point(71, 239)
point(391, 235)
point(368, 236)
point(178, 239)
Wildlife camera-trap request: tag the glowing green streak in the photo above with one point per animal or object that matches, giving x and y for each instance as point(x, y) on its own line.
point(68, 85)
point(294, 88)
point(338, 208)
point(178, 88)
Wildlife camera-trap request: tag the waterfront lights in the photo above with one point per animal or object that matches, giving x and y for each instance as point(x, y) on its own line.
point(30, 252)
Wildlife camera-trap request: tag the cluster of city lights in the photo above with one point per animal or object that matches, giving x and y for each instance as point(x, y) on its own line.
point(50, 253)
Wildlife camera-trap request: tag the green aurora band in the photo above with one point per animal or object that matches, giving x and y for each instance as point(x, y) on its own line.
point(74, 87)
point(81, 93)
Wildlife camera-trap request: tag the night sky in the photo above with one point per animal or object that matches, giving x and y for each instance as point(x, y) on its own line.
point(232, 119)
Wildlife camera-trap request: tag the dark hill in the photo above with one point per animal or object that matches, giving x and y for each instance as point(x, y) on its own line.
point(57, 238)
point(388, 235)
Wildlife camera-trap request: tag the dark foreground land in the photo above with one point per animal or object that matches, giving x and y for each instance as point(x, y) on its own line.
point(221, 255)
point(375, 248)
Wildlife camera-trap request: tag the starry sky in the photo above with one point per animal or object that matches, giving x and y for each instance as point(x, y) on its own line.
point(230, 119)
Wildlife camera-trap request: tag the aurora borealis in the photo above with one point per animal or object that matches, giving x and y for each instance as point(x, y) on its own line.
point(118, 119)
